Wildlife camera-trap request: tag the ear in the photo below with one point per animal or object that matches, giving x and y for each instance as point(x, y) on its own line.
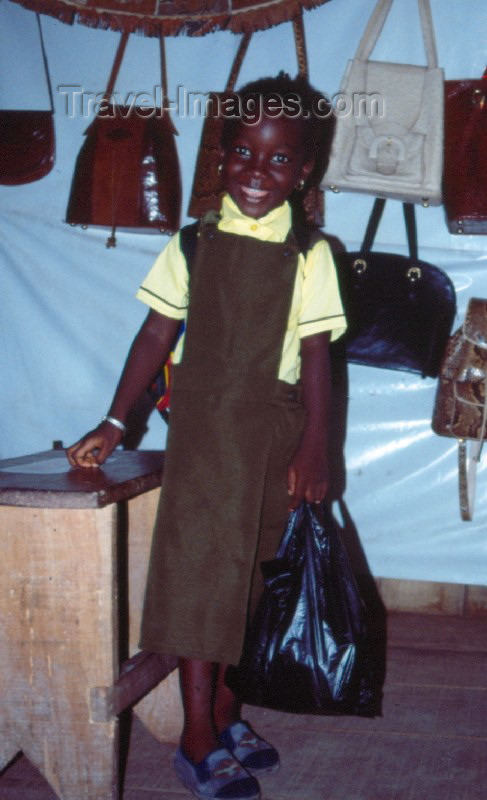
point(306, 169)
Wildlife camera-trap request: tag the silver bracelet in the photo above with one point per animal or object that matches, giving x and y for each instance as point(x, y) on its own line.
point(116, 422)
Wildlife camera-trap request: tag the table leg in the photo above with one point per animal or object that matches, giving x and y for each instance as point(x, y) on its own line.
point(161, 710)
point(59, 645)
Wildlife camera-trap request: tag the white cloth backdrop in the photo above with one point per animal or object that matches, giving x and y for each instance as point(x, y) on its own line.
point(68, 312)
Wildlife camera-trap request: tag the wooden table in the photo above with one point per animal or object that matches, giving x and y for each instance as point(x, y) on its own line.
point(75, 546)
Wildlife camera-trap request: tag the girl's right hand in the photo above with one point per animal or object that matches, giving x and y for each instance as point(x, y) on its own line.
point(95, 447)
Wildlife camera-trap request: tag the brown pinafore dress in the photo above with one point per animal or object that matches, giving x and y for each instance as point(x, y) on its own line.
point(233, 430)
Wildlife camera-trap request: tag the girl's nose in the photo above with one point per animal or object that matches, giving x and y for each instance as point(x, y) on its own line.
point(256, 168)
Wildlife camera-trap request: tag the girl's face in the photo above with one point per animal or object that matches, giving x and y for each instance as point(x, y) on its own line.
point(264, 163)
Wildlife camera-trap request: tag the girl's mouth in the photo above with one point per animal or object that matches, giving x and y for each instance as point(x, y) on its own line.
point(253, 194)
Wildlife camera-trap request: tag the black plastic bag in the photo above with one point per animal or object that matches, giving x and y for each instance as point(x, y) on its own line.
point(306, 650)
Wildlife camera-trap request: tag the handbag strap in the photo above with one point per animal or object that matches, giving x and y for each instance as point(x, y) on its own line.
point(117, 61)
point(467, 476)
point(376, 23)
point(237, 62)
point(44, 61)
point(300, 44)
point(301, 54)
point(375, 218)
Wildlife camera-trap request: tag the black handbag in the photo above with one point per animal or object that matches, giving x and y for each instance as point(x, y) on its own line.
point(399, 310)
point(306, 650)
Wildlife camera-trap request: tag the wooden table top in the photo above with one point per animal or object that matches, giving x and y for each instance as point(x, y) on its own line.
point(46, 480)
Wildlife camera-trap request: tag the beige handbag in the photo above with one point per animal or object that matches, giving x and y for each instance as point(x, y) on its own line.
point(460, 409)
point(389, 133)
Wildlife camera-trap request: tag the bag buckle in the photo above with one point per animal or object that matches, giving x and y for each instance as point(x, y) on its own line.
point(387, 151)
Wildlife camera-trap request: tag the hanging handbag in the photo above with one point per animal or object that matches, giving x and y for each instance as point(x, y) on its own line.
point(306, 650)
point(127, 172)
point(27, 141)
point(389, 134)
point(207, 187)
point(399, 310)
point(460, 408)
point(465, 167)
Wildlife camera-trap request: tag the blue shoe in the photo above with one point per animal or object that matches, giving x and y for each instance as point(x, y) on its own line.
point(218, 777)
point(254, 753)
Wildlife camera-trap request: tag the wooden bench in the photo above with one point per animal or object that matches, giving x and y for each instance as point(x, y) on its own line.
point(75, 548)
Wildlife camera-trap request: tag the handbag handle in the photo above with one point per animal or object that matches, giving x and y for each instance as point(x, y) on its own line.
point(117, 61)
point(44, 61)
point(467, 477)
point(375, 218)
point(237, 62)
point(300, 44)
point(376, 23)
point(301, 54)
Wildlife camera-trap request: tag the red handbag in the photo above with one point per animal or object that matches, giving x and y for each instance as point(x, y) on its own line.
point(27, 141)
point(465, 160)
point(127, 172)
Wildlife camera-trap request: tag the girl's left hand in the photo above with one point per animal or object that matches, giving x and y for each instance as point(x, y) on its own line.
point(308, 475)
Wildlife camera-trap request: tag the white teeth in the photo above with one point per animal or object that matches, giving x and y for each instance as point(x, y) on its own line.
point(254, 194)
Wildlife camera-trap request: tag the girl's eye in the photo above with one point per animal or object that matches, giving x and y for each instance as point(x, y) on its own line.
point(241, 150)
point(281, 158)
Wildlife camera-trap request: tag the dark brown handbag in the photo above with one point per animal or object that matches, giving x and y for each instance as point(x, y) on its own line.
point(207, 189)
point(27, 141)
point(460, 409)
point(127, 173)
point(465, 160)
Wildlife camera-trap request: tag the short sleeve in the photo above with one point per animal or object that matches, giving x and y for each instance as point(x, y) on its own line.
point(321, 306)
point(165, 289)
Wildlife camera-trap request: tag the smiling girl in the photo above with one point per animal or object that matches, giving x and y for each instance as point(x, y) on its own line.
point(247, 438)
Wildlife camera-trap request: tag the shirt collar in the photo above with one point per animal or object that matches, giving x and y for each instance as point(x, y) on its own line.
point(274, 226)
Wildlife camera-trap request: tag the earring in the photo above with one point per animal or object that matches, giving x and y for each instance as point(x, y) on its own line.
point(300, 185)
point(220, 169)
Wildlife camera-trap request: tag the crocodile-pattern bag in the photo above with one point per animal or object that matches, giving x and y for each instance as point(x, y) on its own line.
point(460, 409)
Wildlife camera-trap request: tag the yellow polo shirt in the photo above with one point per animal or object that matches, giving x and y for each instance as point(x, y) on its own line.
point(316, 306)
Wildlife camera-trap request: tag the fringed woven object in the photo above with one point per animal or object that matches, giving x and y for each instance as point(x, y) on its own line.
point(187, 17)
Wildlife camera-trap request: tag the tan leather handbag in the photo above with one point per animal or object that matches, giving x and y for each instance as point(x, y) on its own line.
point(127, 172)
point(460, 409)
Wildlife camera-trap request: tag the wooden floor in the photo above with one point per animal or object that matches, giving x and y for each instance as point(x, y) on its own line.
point(429, 744)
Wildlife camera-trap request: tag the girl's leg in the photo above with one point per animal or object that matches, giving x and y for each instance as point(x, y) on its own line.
point(197, 680)
point(209, 706)
point(226, 707)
